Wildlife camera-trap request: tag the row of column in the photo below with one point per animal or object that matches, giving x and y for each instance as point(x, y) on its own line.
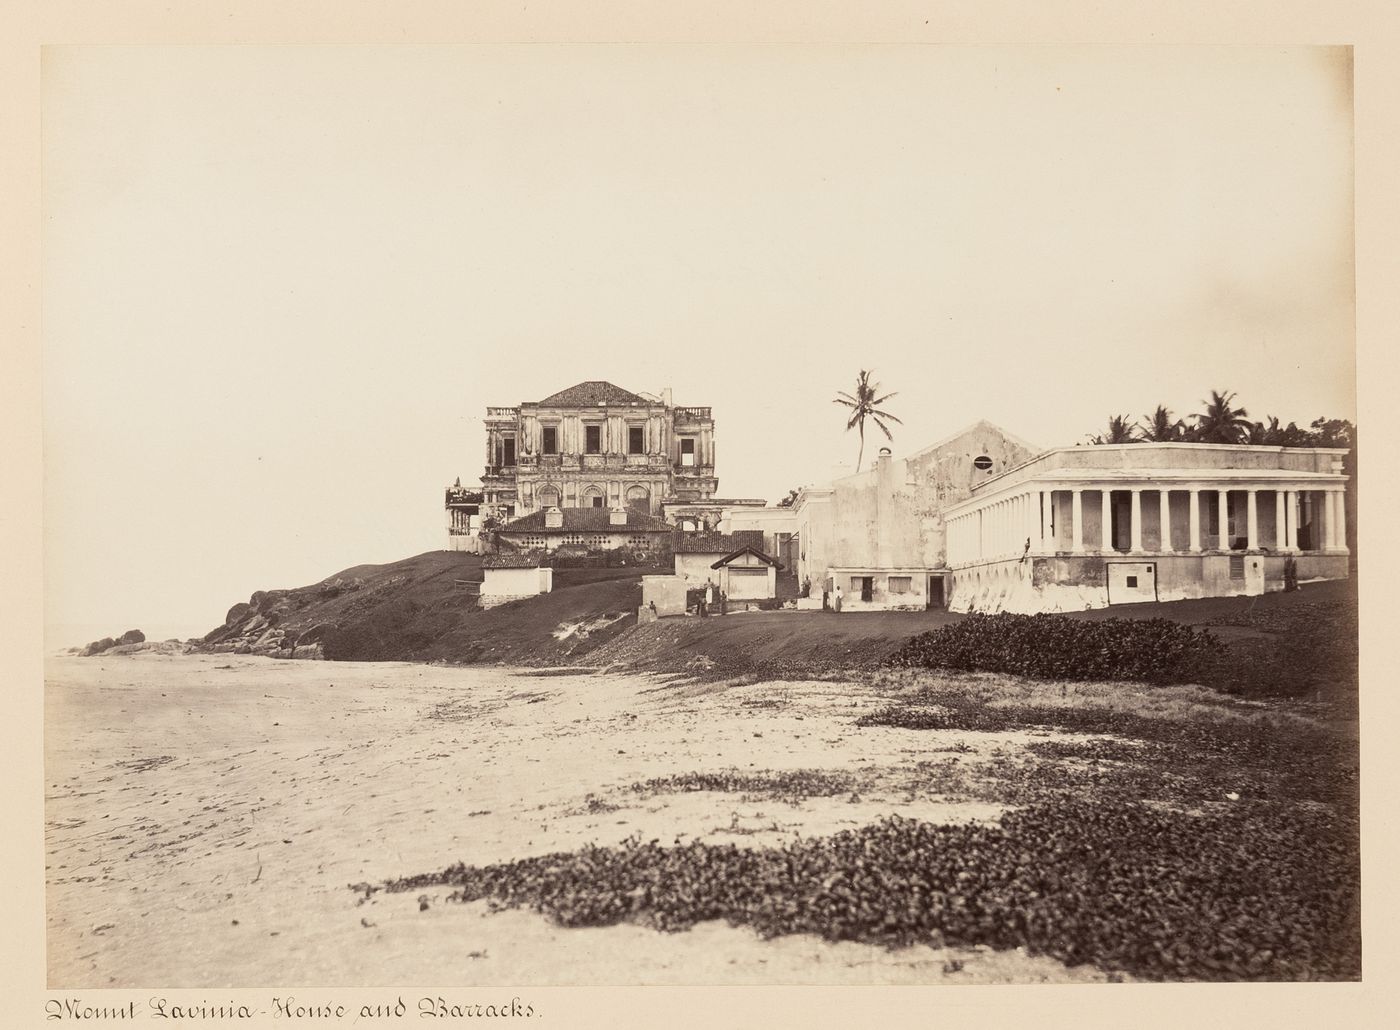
point(1023, 523)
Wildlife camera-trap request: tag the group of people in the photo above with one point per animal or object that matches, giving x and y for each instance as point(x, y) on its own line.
point(708, 597)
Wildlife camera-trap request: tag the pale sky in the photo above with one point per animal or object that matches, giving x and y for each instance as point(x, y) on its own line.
point(281, 284)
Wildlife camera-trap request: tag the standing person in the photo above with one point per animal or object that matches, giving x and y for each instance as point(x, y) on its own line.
point(709, 595)
point(836, 602)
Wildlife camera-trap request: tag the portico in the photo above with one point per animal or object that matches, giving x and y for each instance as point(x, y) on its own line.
point(1188, 509)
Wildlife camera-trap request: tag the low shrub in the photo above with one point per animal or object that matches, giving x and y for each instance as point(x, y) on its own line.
point(1058, 647)
point(1158, 894)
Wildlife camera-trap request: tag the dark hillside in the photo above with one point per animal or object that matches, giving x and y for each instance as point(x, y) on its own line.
point(586, 608)
point(425, 608)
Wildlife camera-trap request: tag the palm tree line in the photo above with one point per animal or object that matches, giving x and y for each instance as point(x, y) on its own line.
point(1220, 421)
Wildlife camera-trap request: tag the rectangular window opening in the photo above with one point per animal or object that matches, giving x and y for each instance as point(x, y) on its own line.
point(1237, 566)
point(508, 451)
point(593, 439)
point(688, 452)
point(636, 440)
point(551, 440)
point(901, 584)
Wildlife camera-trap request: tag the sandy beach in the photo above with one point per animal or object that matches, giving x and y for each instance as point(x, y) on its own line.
point(206, 815)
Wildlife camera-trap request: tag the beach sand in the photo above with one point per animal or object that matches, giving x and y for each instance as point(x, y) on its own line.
point(206, 814)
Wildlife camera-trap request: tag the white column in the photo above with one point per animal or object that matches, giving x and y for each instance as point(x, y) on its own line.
point(1253, 519)
point(1290, 516)
point(1223, 520)
point(1106, 533)
point(1341, 506)
point(1280, 521)
point(1164, 520)
point(1195, 512)
point(1135, 530)
point(1033, 521)
point(1077, 518)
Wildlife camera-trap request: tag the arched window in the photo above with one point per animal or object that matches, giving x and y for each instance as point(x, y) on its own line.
point(639, 499)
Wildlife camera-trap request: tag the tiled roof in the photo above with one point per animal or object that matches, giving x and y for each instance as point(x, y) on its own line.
point(717, 543)
point(591, 394)
point(588, 520)
point(749, 550)
point(522, 560)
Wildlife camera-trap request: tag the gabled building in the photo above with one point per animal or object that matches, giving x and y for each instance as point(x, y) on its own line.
point(882, 534)
point(597, 445)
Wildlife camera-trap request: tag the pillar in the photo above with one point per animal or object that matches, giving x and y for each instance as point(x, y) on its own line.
point(1341, 506)
point(1135, 528)
point(1195, 516)
point(1106, 532)
point(1077, 518)
point(1223, 519)
point(1164, 521)
point(1290, 516)
point(1252, 517)
point(1280, 520)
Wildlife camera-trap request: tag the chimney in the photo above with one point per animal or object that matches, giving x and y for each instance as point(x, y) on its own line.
point(553, 518)
point(617, 517)
point(666, 396)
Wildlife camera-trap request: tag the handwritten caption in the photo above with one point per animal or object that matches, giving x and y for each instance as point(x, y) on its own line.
point(322, 1010)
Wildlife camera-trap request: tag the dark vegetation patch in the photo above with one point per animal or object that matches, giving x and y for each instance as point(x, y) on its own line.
point(1289, 649)
point(1089, 750)
point(788, 785)
point(1058, 647)
point(1279, 759)
point(1158, 894)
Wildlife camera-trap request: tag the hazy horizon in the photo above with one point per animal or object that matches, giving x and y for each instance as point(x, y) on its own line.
point(282, 284)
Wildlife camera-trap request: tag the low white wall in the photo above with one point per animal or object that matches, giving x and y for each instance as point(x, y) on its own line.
point(666, 592)
point(695, 568)
point(501, 585)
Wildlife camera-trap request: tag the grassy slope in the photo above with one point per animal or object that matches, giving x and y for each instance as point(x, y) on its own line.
point(799, 644)
point(425, 608)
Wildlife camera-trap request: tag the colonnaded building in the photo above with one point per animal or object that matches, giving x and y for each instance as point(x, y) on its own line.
point(984, 521)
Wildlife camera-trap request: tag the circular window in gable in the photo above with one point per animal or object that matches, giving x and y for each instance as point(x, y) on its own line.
point(982, 463)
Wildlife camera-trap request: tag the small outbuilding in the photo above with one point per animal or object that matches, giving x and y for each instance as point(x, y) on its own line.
point(511, 577)
point(748, 575)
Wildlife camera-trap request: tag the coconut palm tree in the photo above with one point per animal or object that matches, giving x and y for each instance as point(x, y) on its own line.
point(1120, 430)
point(1160, 427)
point(864, 404)
point(1221, 422)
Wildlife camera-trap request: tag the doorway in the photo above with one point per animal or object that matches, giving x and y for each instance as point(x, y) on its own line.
point(867, 587)
point(936, 598)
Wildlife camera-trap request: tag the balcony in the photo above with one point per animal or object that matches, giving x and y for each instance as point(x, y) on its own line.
point(502, 413)
point(460, 498)
point(691, 414)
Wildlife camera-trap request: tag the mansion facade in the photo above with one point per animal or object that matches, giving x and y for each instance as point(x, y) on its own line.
point(596, 445)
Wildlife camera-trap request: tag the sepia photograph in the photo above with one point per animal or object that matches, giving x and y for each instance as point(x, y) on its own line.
point(548, 515)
